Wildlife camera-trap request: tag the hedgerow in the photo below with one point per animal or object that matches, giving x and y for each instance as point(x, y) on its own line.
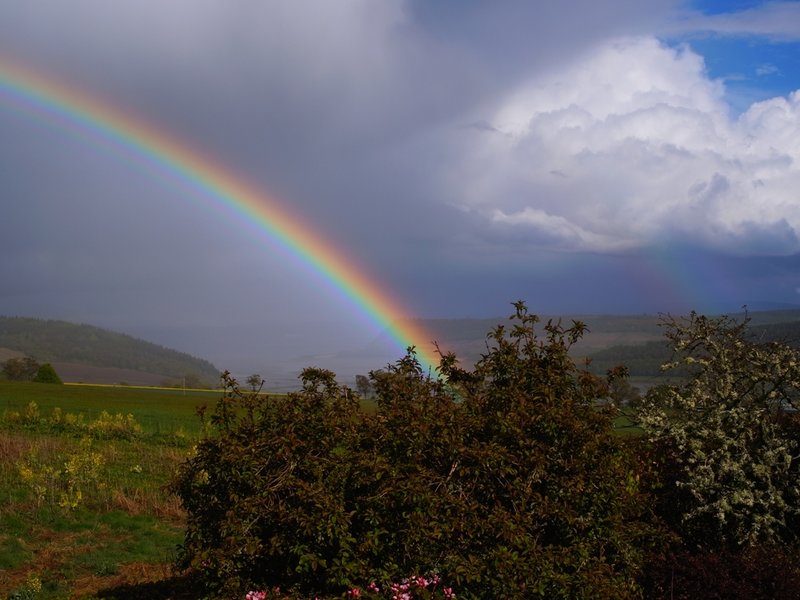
point(504, 481)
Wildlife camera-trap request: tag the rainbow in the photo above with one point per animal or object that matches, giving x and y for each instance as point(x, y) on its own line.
point(76, 111)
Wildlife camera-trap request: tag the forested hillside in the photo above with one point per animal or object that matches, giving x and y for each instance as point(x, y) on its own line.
point(60, 341)
point(645, 359)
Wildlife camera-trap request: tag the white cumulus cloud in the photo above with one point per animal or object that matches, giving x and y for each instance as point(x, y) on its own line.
point(634, 145)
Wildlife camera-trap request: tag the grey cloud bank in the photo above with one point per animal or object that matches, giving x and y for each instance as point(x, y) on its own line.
point(466, 154)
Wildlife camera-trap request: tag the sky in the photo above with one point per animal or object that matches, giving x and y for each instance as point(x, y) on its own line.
point(588, 157)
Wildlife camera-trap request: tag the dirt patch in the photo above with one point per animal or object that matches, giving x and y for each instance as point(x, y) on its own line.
point(53, 552)
point(50, 550)
point(135, 580)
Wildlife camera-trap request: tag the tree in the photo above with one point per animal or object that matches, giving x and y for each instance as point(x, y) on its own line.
point(193, 381)
point(729, 445)
point(20, 369)
point(255, 382)
point(620, 390)
point(363, 386)
point(47, 374)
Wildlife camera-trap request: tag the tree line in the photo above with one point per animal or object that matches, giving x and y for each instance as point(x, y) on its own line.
point(27, 368)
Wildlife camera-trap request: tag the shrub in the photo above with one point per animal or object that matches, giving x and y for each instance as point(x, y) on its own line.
point(505, 481)
point(47, 374)
point(105, 426)
point(66, 482)
point(30, 418)
point(117, 426)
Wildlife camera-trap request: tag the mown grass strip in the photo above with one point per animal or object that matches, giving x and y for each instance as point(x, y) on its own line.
point(158, 410)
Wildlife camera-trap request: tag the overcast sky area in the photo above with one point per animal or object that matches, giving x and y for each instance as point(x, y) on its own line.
point(611, 156)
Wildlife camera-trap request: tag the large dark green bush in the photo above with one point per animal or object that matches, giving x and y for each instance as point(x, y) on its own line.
point(505, 480)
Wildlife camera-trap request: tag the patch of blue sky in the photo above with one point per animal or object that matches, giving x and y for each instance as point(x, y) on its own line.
point(717, 7)
point(752, 67)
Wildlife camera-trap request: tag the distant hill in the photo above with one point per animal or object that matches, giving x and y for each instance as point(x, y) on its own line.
point(467, 337)
point(645, 360)
point(96, 355)
point(636, 341)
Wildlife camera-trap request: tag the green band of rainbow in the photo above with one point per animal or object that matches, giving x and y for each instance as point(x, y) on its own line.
point(70, 108)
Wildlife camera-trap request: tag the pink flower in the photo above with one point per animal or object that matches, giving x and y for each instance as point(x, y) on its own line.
point(256, 596)
point(372, 587)
point(354, 593)
point(448, 593)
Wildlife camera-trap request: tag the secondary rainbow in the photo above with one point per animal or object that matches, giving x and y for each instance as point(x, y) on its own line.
point(72, 109)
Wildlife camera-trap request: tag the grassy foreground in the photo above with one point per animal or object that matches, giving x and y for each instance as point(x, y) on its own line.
point(84, 512)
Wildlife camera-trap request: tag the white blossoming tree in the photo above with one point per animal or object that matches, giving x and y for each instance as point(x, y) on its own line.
point(728, 434)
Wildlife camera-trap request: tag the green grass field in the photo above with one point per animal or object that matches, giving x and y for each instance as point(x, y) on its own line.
point(89, 516)
point(156, 409)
